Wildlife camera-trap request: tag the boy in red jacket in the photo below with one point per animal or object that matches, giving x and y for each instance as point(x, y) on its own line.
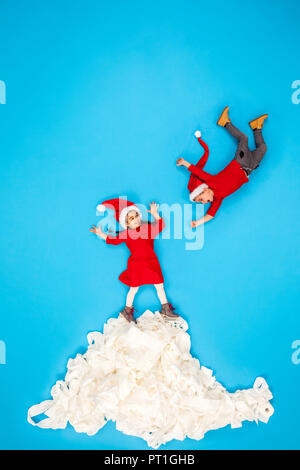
point(205, 187)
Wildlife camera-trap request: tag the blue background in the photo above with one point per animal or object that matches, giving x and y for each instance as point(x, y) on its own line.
point(101, 100)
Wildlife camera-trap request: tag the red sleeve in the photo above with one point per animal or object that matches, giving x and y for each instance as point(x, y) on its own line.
point(203, 159)
point(116, 240)
point(214, 207)
point(157, 227)
point(200, 173)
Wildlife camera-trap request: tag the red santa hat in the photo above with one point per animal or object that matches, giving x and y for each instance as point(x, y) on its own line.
point(198, 190)
point(121, 208)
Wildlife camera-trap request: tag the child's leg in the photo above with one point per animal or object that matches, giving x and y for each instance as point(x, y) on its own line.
point(235, 132)
point(161, 293)
point(130, 296)
point(243, 154)
point(258, 137)
point(167, 310)
point(260, 151)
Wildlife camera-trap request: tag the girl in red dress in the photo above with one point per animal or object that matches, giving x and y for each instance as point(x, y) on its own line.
point(143, 266)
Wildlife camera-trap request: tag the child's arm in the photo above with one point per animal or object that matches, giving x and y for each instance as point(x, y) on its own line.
point(214, 207)
point(154, 210)
point(194, 169)
point(197, 169)
point(196, 223)
point(159, 223)
point(182, 162)
point(98, 231)
point(108, 238)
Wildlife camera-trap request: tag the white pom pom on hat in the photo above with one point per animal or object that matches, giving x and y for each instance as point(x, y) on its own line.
point(101, 208)
point(197, 134)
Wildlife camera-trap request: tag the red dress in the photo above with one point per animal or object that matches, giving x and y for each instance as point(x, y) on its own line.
point(143, 266)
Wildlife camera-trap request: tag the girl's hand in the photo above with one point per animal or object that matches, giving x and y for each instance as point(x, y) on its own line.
point(194, 223)
point(153, 210)
point(96, 230)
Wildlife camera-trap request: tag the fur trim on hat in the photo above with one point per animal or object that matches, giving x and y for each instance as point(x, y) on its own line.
point(197, 191)
point(124, 212)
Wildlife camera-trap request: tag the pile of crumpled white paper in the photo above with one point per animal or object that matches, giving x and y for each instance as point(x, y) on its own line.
point(143, 377)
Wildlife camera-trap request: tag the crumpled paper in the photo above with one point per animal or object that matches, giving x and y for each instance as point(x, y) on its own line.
point(143, 377)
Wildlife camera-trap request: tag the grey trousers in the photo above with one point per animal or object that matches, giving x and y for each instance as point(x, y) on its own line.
point(248, 159)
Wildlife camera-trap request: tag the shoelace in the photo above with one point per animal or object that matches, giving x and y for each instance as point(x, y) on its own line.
point(132, 310)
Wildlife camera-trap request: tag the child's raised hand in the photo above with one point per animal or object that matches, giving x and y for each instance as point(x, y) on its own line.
point(194, 223)
point(153, 209)
point(180, 161)
point(96, 230)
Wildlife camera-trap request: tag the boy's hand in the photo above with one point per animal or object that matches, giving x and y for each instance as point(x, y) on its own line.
point(194, 223)
point(182, 162)
point(153, 210)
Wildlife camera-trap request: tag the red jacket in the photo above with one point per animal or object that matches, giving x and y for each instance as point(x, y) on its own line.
point(223, 183)
point(143, 266)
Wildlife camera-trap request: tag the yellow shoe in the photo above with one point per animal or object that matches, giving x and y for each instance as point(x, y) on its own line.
point(258, 122)
point(224, 119)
